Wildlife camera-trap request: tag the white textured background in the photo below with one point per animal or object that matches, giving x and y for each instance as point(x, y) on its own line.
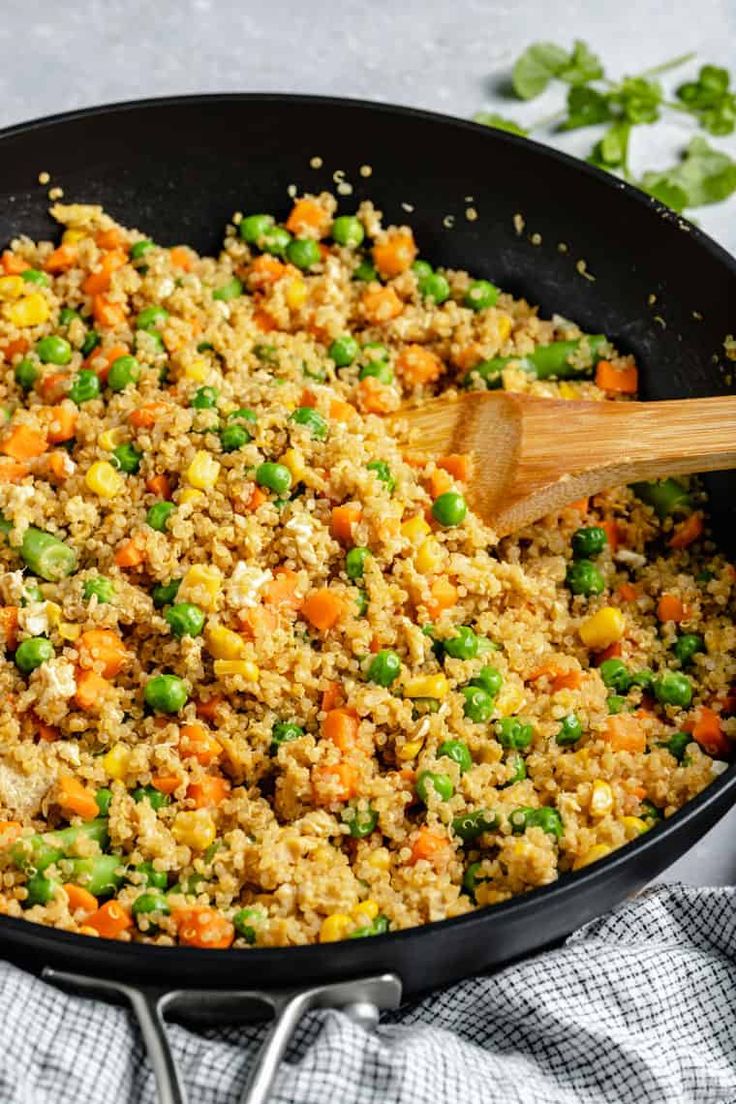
point(438, 54)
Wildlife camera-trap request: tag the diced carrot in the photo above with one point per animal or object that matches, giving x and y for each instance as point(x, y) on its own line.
point(375, 397)
point(102, 360)
point(331, 697)
point(323, 609)
point(159, 485)
point(307, 217)
point(429, 845)
point(181, 257)
point(567, 680)
point(308, 398)
point(102, 646)
point(342, 411)
point(395, 253)
point(258, 622)
point(195, 742)
point(47, 733)
point(265, 270)
point(132, 553)
point(621, 381)
point(12, 471)
point(9, 626)
point(146, 416)
point(112, 238)
point(110, 920)
point(92, 689)
point(61, 423)
point(467, 357)
point(166, 783)
point(80, 899)
point(24, 443)
point(203, 926)
point(75, 799)
point(9, 831)
point(458, 464)
point(342, 520)
point(107, 313)
point(62, 258)
point(208, 709)
point(15, 348)
point(341, 727)
point(417, 365)
point(627, 592)
point(280, 591)
point(582, 505)
point(672, 608)
point(625, 733)
point(444, 595)
point(708, 732)
point(687, 532)
point(53, 386)
point(439, 482)
point(381, 304)
point(99, 281)
point(264, 321)
point(208, 791)
point(58, 466)
point(12, 264)
point(337, 782)
point(613, 651)
point(611, 529)
point(257, 497)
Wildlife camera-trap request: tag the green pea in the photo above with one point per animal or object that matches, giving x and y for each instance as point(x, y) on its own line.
point(30, 654)
point(490, 371)
point(583, 577)
point(31, 593)
point(204, 398)
point(378, 369)
point(672, 688)
point(480, 295)
point(463, 645)
point(158, 515)
point(140, 248)
point(275, 240)
point(365, 271)
point(283, 732)
point(91, 340)
point(185, 619)
point(677, 744)
point(570, 731)
point(490, 679)
point(348, 230)
point(307, 416)
point(245, 922)
point(123, 371)
point(154, 797)
point(40, 889)
point(103, 797)
point(85, 386)
point(253, 228)
point(705, 576)
point(423, 707)
point(355, 562)
point(165, 593)
point(361, 603)
point(269, 354)
point(150, 902)
point(517, 766)
point(361, 820)
point(649, 811)
point(687, 646)
point(54, 350)
point(588, 541)
point(458, 751)
point(384, 668)
point(303, 252)
point(616, 704)
point(468, 826)
point(435, 286)
point(233, 437)
point(232, 289)
point(478, 704)
point(243, 415)
point(513, 733)
point(665, 496)
point(449, 509)
point(276, 477)
point(383, 472)
point(379, 926)
point(34, 276)
point(127, 458)
point(343, 350)
point(67, 316)
point(26, 373)
point(421, 269)
point(615, 675)
point(472, 878)
point(166, 693)
point(433, 780)
point(643, 678)
point(151, 317)
point(157, 879)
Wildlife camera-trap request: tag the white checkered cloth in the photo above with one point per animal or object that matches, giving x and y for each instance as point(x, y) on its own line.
point(638, 1007)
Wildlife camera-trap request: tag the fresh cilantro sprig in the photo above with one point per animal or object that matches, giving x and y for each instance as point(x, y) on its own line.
point(703, 175)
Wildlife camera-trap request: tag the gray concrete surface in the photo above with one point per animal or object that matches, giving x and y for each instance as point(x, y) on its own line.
point(446, 55)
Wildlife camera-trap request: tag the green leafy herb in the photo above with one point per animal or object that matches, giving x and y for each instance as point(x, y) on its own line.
point(489, 119)
point(711, 100)
point(586, 107)
point(612, 151)
point(704, 175)
point(637, 99)
point(537, 66)
point(582, 66)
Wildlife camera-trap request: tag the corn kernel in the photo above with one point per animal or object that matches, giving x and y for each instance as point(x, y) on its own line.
point(503, 327)
point(203, 471)
point(69, 631)
point(593, 854)
point(198, 371)
point(569, 390)
point(380, 859)
point(103, 480)
point(409, 750)
point(31, 310)
point(246, 668)
point(190, 494)
point(223, 643)
point(71, 237)
point(201, 585)
point(429, 556)
point(634, 826)
point(294, 461)
point(601, 799)
point(195, 828)
point(365, 912)
point(12, 287)
point(85, 929)
point(415, 529)
point(335, 927)
point(53, 613)
point(111, 438)
point(115, 762)
point(296, 293)
point(510, 700)
point(603, 629)
point(427, 686)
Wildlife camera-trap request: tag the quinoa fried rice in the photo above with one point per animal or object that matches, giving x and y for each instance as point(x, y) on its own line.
point(270, 681)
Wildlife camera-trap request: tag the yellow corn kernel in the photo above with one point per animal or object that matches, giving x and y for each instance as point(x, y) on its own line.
point(111, 438)
point(71, 237)
point(246, 668)
point(31, 310)
point(103, 480)
point(115, 762)
point(190, 494)
point(634, 826)
point(12, 287)
point(503, 327)
point(365, 912)
point(380, 859)
point(569, 390)
point(409, 750)
point(53, 613)
point(223, 643)
point(85, 929)
point(294, 461)
point(69, 631)
point(427, 686)
point(296, 293)
point(335, 927)
point(603, 629)
point(429, 556)
point(203, 471)
point(601, 799)
point(510, 699)
point(415, 529)
point(201, 585)
point(593, 854)
point(195, 828)
point(198, 371)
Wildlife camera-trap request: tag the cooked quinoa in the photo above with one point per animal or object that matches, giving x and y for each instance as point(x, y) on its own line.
point(266, 679)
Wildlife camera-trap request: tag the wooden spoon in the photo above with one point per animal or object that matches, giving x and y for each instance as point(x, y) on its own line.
point(532, 456)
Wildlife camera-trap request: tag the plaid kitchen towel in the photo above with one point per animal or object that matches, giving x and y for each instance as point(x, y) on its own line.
point(638, 1007)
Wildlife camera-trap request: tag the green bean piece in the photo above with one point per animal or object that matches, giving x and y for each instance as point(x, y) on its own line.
point(665, 496)
point(558, 360)
point(43, 553)
point(40, 889)
point(102, 875)
point(469, 826)
point(39, 851)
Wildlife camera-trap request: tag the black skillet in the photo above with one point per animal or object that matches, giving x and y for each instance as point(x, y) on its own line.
point(177, 169)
